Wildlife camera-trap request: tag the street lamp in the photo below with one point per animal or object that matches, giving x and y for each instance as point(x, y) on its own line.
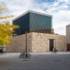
point(26, 49)
point(25, 54)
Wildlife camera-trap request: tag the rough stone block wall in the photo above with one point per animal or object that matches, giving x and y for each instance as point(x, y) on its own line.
point(40, 42)
point(36, 42)
point(19, 43)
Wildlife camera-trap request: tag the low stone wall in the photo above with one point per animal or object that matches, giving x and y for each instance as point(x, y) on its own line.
point(19, 43)
point(40, 42)
point(36, 42)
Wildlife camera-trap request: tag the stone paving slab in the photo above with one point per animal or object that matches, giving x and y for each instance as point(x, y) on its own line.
point(41, 61)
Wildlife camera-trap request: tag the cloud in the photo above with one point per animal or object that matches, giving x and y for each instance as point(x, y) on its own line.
point(60, 20)
point(59, 9)
point(17, 6)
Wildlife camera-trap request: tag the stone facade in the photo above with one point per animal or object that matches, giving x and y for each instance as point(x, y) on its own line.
point(40, 42)
point(68, 34)
point(68, 37)
point(36, 42)
point(19, 43)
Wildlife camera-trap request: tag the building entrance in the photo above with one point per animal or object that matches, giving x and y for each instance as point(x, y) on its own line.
point(68, 47)
point(51, 44)
point(1, 50)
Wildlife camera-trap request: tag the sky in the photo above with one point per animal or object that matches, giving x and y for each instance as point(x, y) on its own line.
point(58, 9)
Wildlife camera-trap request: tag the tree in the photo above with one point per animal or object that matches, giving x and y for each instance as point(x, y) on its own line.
point(6, 29)
point(6, 32)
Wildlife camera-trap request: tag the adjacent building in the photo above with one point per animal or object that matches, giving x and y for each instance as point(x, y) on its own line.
point(68, 37)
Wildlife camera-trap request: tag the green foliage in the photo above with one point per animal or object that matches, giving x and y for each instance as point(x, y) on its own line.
point(6, 31)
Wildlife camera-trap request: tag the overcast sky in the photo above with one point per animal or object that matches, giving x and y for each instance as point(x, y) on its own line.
point(58, 9)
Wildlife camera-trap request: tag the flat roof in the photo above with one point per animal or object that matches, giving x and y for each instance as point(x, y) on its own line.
point(30, 11)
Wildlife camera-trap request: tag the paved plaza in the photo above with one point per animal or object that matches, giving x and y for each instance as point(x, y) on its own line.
point(40, 61)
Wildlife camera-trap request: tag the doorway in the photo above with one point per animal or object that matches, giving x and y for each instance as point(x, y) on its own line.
point(68, 47)
point(51, 44)
point(1, 50)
